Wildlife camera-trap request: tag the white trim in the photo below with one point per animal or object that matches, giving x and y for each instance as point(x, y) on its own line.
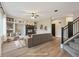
point(61, 45)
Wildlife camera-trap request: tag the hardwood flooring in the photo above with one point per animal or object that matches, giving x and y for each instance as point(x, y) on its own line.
point(48, 49)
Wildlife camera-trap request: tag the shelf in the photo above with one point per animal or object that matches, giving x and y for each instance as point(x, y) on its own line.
point(19, 23)
point(10, 25)
point(10, 22)
point(9, 29)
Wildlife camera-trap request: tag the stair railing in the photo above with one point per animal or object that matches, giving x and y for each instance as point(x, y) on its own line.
point(64, 30)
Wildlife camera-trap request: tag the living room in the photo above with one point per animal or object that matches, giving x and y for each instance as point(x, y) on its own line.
point(31, 25)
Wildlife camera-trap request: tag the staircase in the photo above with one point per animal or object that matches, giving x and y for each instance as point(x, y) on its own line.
point(71, 43)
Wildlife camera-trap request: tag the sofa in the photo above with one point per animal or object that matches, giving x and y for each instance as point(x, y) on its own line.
point(37, 39)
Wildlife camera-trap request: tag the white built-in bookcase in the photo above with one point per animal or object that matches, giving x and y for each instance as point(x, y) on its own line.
point(14, 25)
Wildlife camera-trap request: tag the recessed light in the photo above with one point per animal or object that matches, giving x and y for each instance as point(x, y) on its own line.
point(55, 10)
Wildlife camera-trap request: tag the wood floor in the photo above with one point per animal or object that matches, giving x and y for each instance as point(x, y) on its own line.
point(48, 49)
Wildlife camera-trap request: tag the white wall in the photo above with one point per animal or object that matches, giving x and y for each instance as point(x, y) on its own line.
point(44, 23)
point(20, 28)
point(69, 19)
point(4, 28)
point(58, 26)
point(1, 27)
point(64, 21)
point(1, 23)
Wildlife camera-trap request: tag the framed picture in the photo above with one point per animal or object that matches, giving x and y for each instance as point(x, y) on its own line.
point(41, 26)
point(45, 27)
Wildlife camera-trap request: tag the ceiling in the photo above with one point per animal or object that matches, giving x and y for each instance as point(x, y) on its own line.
point(45, 9)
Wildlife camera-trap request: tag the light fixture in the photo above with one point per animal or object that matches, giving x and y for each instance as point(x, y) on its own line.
point(59, 22)
point(32, 17)
point(55, 10)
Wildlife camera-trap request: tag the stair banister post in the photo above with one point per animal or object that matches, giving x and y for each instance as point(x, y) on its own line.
point(62, 37)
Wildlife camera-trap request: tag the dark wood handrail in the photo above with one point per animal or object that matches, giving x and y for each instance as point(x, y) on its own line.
point(72, 22)
point(66, 27)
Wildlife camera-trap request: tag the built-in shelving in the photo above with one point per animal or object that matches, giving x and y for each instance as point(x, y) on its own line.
point(14, 26)
point(10, 25)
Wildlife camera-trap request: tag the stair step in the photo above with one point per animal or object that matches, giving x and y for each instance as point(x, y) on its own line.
point(71, 38)
point(74, 45)
point(76, 40)
point(71, 51)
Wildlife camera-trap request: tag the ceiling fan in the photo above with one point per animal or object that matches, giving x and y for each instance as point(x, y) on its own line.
point(34, 14)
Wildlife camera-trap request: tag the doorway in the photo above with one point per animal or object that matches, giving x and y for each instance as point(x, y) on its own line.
point(53, 29)
point(70, 29)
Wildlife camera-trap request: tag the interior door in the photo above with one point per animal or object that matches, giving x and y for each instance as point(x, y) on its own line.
point(53, 29)
point(70, 29)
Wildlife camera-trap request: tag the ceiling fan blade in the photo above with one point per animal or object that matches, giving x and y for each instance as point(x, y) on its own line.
point(27, 11)
point(43, 12)
point(27, 14)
